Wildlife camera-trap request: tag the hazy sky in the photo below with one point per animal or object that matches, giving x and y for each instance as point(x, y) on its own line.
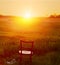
point(35, 7)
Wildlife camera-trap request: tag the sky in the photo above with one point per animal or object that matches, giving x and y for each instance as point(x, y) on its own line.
point(35, 7)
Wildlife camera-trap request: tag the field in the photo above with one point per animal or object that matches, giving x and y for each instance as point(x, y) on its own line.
point(45, 34)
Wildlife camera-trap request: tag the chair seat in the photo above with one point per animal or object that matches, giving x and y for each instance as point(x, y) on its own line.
point(25, 52)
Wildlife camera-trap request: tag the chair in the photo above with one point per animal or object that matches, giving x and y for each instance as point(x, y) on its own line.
point(26, 48)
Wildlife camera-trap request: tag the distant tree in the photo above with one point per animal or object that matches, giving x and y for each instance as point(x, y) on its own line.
point(58, 16)
point(1, 15)
point(52, 16)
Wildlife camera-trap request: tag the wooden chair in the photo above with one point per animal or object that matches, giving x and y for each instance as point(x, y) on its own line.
point(28, 50)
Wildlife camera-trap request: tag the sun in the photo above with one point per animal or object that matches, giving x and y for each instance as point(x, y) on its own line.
point(27, 15)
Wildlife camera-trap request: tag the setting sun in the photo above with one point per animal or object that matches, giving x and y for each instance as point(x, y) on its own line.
point(27, 15)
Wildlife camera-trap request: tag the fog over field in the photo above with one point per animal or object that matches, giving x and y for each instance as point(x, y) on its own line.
point(44, 27)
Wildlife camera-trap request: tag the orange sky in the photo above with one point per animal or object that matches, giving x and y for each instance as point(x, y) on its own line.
point(35, 7)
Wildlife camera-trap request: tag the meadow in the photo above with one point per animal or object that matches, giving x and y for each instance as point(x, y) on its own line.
point(45, 34)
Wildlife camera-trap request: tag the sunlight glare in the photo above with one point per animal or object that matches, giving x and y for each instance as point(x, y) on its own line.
point(27, 15)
